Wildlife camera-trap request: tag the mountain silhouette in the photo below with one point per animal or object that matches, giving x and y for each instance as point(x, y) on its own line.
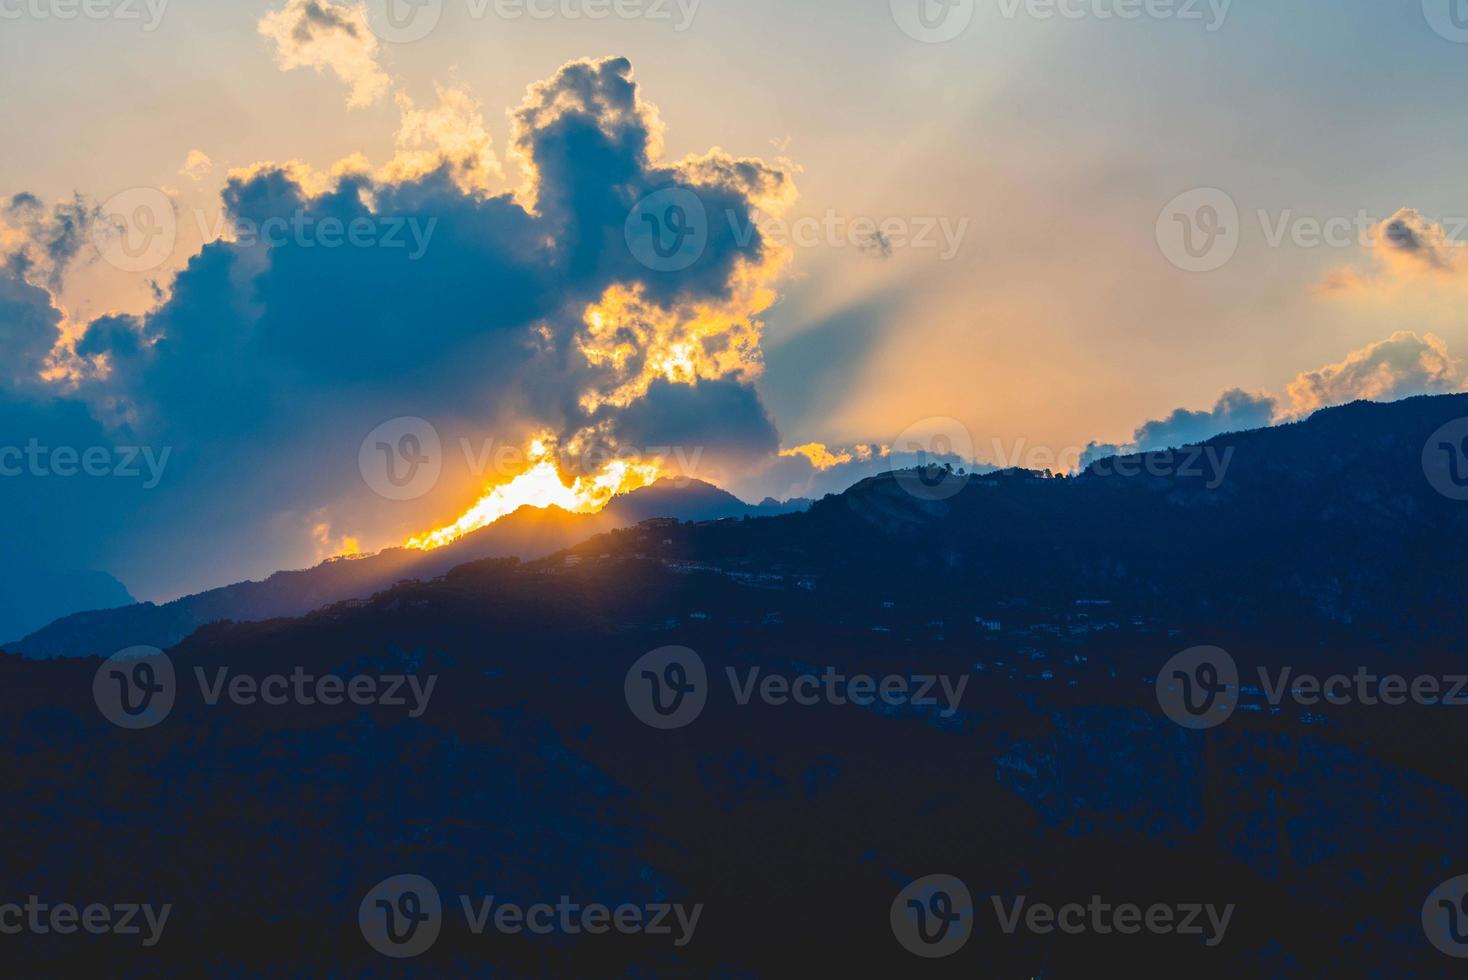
point(528, 533)
point(34, 597)
point(1323, 546)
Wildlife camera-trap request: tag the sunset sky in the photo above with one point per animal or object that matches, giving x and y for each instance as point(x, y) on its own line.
point(1039, 160)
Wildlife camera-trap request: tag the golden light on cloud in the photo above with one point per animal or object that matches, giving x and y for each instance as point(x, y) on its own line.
point(542, 485)
point(450, 133)
point(329, 36)
point(820, 456)
point(640, 341)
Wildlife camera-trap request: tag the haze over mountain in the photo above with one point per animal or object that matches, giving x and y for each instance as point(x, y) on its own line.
point(34, 596)
point(527, 534)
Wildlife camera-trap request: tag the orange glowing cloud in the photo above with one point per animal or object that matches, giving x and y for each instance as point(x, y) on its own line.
point(542, 485)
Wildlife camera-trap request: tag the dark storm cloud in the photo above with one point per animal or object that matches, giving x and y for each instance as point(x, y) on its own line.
point(274, 354)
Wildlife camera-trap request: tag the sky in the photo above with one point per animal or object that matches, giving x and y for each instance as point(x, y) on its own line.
point(1030, 232)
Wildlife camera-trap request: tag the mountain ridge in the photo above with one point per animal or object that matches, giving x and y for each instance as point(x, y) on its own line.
point(527, 534)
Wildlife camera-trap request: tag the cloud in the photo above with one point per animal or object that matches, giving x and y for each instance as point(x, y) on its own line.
point(1401, 366)
point(1407, 248)
point(272, 356)
point(450, 134)
point(819, 455)
point(30, 326)
point(876, 245)
point(36, 243)
point(323, 35)
point(197, 165)
point(1235, 410)
point(1398, 367)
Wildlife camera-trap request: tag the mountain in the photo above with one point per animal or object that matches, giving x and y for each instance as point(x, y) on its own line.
point(1328, 519)
point(1321, 546)
point(33, 597)
point(527, 534)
